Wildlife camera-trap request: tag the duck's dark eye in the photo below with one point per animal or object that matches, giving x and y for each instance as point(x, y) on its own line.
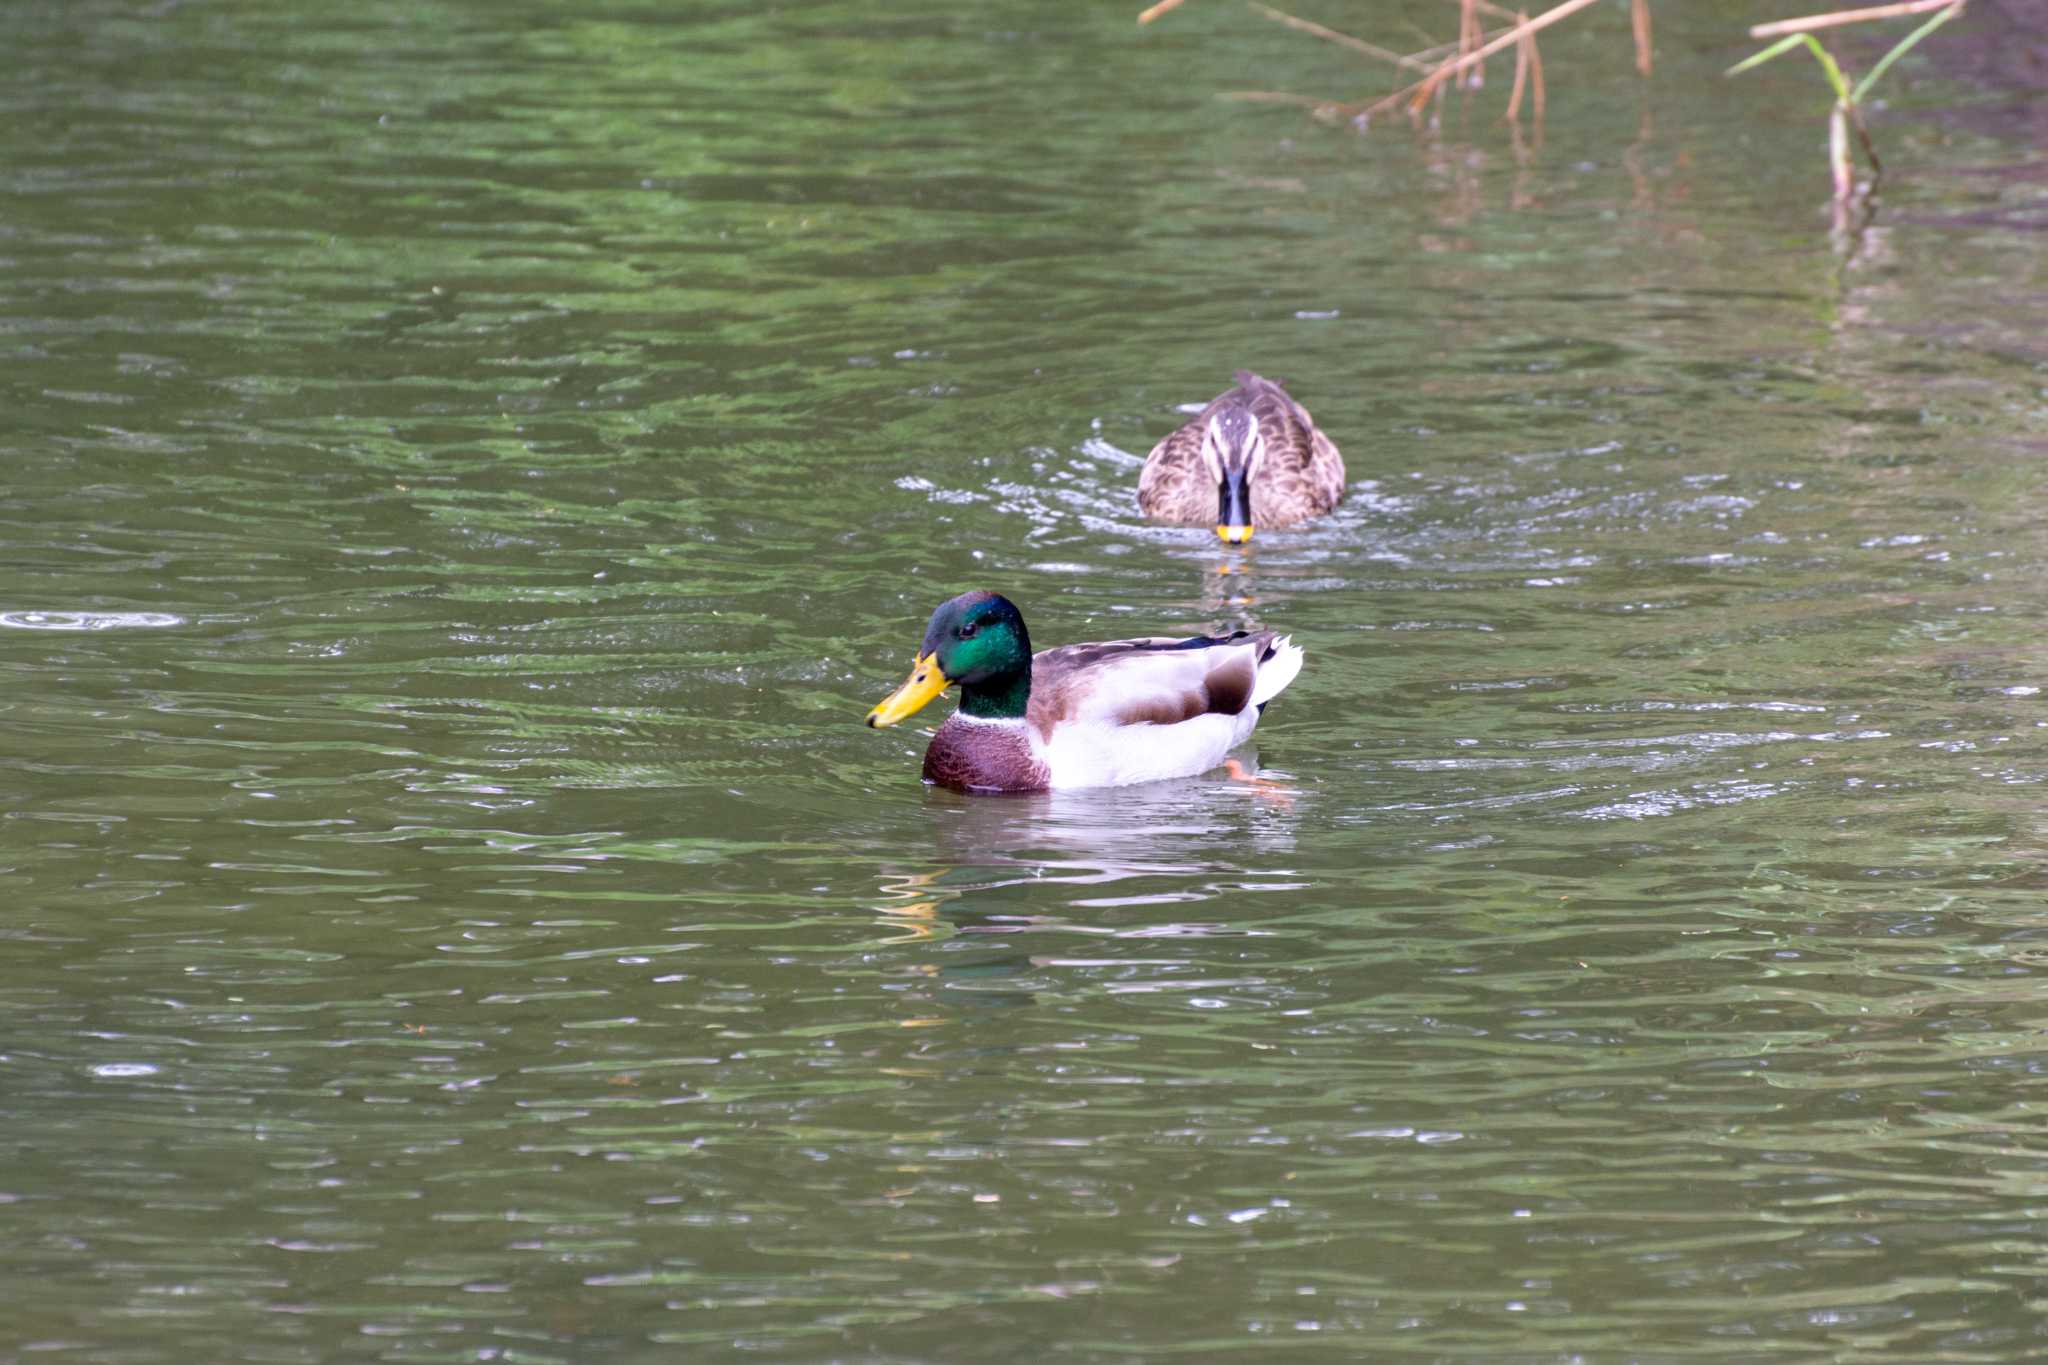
point(967, 631)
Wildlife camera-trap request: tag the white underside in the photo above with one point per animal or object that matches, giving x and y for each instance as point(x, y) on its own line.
point(1093, 755)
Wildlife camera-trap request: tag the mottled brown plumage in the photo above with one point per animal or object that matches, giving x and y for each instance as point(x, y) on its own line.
point(1300, 476)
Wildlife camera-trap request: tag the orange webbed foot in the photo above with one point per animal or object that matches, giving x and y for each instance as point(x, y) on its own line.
point(1263, 788)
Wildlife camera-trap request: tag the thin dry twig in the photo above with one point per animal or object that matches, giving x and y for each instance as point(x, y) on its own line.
point(1639, 20)
point(1429, 56)
point(1423, 88)
point(1331, 35)
point(1163, 7)
point(1845, 16)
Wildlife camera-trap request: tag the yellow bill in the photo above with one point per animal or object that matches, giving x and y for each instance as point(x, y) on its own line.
point(1234, 535)
point(925, 682)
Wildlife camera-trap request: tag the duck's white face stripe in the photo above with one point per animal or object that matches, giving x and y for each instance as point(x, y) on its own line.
point(1215, 453)
point(1255, 452)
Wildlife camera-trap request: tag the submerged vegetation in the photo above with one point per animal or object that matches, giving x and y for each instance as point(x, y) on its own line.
point(1461, 62)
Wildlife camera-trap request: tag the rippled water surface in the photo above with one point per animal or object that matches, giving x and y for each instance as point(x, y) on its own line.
point(469, 467)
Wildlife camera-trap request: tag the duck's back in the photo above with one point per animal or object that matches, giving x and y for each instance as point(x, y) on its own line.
point(1303, 474)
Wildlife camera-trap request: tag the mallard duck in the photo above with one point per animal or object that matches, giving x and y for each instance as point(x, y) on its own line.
point(1096, 715)
point(1253, 457)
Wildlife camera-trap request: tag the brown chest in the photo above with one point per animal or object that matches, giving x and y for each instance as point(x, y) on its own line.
point(971, 755)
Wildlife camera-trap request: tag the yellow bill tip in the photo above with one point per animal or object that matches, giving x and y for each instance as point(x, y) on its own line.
point(1234, 535)
point(925, 682)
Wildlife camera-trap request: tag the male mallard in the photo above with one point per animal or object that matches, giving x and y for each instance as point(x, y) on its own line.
point(1253, 457)
point(1098, 715)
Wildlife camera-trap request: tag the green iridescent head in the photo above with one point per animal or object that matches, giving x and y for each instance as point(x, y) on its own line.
point(977, 640)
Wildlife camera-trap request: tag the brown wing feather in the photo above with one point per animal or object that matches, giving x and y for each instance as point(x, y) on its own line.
point(1303, 475)
point(1175, 485)
point(1326, 471)
point(1060, 678)
point(1228, 686)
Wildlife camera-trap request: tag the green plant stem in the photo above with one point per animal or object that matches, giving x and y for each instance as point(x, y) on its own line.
point(1884, 63)
point(1784, 44)
point(1831, 68)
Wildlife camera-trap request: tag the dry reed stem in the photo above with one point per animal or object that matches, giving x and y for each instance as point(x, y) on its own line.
point(1163, 7)
point(1863, 136)
point(1422, 89)
point(1843, 169)
point(1639, 20)
point(1331, 35)
point(1521, 80)
point(1469, 41)
point(1437, 51)
point(1528, 71)
point(1845, 16)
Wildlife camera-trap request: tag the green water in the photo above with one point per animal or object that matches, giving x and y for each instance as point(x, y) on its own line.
point(468, 469)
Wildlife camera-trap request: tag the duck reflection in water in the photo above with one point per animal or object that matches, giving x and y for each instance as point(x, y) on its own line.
point(1088, 863)
point(1242, 585)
